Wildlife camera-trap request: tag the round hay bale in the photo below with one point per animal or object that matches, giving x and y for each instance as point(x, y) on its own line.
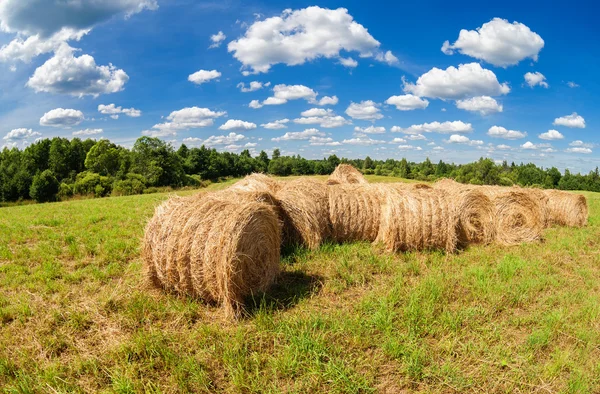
point(566, 209)
point(344, 174)
point(477, 221)
point(519, 216)
point(541, 198)
point(417, 220)
point(354, 212)
point(257, 182)
point(221, 247)
point(304, 209)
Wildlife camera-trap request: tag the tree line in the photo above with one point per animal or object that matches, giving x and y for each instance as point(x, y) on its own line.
point(59, 168)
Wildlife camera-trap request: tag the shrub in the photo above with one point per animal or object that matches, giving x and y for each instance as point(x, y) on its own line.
point(44, 187)
point(65, 190)
point(133, 184)
point(89, 183)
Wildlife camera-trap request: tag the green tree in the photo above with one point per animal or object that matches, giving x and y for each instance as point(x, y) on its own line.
point(44, 187)
point(103, 158)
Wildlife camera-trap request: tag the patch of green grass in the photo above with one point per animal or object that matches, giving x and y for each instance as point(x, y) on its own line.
point(344, 319)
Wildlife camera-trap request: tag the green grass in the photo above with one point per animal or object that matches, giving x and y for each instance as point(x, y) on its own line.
point(343, 319)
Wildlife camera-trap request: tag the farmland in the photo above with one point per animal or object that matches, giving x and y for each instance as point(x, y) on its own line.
point(75, 317)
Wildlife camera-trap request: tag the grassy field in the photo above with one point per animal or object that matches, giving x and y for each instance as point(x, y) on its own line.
point(343, 319)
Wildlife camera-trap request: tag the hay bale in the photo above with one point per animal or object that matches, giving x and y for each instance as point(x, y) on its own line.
point(541, 198)
point(354, 212)
point(566, 209)
point(344, 174)
point(304, 209)
point(221, 247)
point(477, 221)
point(257, 182)
point(519, 215)
point(417, 220)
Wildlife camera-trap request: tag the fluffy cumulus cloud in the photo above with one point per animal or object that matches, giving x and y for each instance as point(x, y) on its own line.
point(325, 118)
point(573, 120)
point(252, 87)
point(283, 93)
point(61, 117)
point(348, 62)
point(299, 135)
point(407, 102)
point(25, 49)
point(217, 39)
point(485, 105)
point(498, 42)
point(580, 147)
point(468, 80)
point(456, 126)
point(535, 79)
point(87, 132)
point(572, 84)
point(203, 76)
point(65, 73)
point(370, 130)
point(298, 36)
point(501, 132)
point(184, 119)
point(233, 124)
point(365, 110)
point(551, 135)
point(276, 125)
point(228, 139)
point(323, 141)
point(579, 150)
point(114, 111)
point(409, 147)
point(20, 135)
point(328, 100)
point(363, 140)
point(531, 146)
point(461, 139)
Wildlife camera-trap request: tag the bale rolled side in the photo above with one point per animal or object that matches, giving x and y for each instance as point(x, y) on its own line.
point(417, 220)
point(304, 209)
point(257, 182)
point(354, 212)
point(567, 209)
point(346, 174)
point(221, 247)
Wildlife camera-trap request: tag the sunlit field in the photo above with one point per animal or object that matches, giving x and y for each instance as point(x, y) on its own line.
point(75, 317)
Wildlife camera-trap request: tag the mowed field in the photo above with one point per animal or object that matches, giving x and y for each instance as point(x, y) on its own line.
point(75, 317)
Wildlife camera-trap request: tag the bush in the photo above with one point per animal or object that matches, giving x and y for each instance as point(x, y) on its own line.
point(133, 184)
point(44, 187)
point(89, 183)
point(65, 191)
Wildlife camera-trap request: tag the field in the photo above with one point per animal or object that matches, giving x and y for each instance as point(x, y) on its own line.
point(345, 319)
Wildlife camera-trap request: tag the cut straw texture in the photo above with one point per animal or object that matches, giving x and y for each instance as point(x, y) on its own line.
point(566, 209)
point(220, 246)
point(354, 212)
point(304, 210)
point(257, 183)
point(346, 174)
point(417, 220)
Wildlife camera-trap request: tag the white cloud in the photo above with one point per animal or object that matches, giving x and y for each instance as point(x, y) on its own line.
point(572, 84)
point(370, 130)
point(299, 135)
point(407, 102)
point(61, 117)
point(228, 139)
point(255, 104)
point(467, 80)
point(579, 150)
point(276, 125)
point(298, 36)
point(77, 76)
point(362, 140)
point(217, 39)
point(531, 146)
point(438, 148)
point(456, 126)
point(316, 112)
point(348, 62)
point(498, 42)
point(503, 147)
point(365, 110)
point(26, 49)
point(485, 105)
point(398, 141)
point(326, 118)
point(328, 100)
point(409, 147)
point(580, 143)
point(254, 86)
point(387, 57)
point(323, 141)
point(184, 119)
point(501, 132)
point(20, 134)
point(234, 124)
point(572, 120)
point(536, 78)
point(284, 93)
point(461, 139)
point(114, 111)
point(203, 76)
point(416, 137)
point(233, 148)
point(88, 132)
point(250, 145)
point(551, 135)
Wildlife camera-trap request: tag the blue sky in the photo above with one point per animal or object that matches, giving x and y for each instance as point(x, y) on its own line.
point(352, 78)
